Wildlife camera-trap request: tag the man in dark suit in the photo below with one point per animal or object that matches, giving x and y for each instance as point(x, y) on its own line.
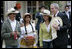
point(68, 15)
point(61, 40)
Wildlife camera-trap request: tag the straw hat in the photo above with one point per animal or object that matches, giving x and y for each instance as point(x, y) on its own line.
point(27, 14)
point(46, 12)
point(12, 10)
point(57, 20)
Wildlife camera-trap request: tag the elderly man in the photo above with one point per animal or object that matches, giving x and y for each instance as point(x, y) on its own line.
point(11, 29)
point(61, 40)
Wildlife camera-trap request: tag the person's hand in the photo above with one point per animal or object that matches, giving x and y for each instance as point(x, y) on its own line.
point(12, 33)
point(16, 32)
point(56, 26)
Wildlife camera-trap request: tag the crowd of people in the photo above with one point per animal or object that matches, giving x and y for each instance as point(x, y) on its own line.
point(51, 29)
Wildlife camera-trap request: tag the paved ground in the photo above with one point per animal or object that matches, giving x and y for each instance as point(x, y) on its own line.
point(3, 46)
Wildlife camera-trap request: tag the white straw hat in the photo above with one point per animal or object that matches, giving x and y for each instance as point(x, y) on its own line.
point(27, 14)
point(12, 10)
point(46, 12)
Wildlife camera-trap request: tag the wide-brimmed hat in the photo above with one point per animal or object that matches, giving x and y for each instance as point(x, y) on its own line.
point(12, 10)
point(46, 12)
point(27, 14)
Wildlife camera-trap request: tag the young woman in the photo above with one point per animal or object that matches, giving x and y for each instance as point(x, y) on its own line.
point(45, 34)
point(28, 34)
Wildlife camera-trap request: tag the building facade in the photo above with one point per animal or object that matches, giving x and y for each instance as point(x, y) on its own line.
point(31, 6)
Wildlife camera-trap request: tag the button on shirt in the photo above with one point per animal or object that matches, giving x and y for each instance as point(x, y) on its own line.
point(13, 24)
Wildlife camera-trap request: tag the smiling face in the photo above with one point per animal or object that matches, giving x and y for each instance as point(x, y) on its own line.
point(45, 17)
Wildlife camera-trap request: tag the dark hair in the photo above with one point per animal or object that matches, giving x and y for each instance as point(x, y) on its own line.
point(29, 23)
point(66, 6)
point(43, 7)
point(48, 19)
point(15, 7)
point(25, 18)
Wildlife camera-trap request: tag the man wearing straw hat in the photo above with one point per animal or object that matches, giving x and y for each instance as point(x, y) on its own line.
point(11, 29)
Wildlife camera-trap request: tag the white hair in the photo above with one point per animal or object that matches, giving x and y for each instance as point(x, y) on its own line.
point(55, 5)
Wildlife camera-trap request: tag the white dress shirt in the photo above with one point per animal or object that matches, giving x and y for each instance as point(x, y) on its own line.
point(67, 13)
point(13, 24)
point(57, 13)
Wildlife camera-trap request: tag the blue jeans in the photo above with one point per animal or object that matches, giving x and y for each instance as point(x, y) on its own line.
point(47, 44)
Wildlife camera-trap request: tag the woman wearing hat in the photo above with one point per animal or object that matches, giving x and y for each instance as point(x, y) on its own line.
point(11, 29)
point(45, 34)
point(28, 37)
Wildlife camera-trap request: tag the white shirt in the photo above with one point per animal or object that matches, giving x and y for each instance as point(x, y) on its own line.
point(28, 28)
point(29, 31)
point(67, 13)
point(57, 13)
point(13, 24)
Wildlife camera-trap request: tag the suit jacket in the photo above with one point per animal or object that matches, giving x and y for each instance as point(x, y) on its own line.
point(62, 33)
point(69, 19)
point(44, 34)
point(18, 16)
point(6, 33)
point(40, 19)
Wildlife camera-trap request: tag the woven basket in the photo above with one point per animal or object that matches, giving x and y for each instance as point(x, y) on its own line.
point(28, 41)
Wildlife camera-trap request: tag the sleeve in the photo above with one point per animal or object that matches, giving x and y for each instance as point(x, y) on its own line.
point(33, 26)
point(36, 38)
point(19, 30)
point(4, 34)
point(40, 36)
point(54, 33)
point(65, 23)
point(22, 33)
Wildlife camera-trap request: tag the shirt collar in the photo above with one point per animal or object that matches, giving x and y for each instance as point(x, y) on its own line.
point(66, 11)
point(12, 21)
point(56, 13)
